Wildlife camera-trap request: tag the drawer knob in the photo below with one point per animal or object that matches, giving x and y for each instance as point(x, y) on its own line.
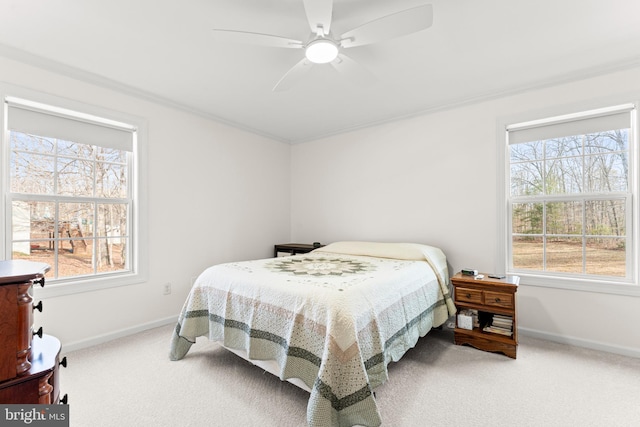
point(38, 307)
point(38, 332)
point(468, 295)
point(65, 399)
point(39, 281)
point(63, 362)
point(497, 299)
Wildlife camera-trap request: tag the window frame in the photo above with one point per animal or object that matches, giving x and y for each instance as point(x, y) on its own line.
point(137, 168)
point(629, 285)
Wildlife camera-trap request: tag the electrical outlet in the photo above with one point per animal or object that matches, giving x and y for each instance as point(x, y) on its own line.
point(166, 290)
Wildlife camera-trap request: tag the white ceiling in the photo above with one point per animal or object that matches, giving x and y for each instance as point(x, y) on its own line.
point(165, 50)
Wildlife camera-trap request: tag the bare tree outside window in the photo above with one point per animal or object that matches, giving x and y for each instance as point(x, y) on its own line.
point(569, 202)
point(70, 205)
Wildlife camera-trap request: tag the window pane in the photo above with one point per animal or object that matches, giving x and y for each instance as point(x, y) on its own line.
point(605, 217)
point(527, 253)
point(606, 256)
point(111, 180)
point(564, 217)
point(111, 155)
point(32, 232)
point(75, 220)
point(605, 173)
point(75, 244)
point(526, 179)
point(73, 149)
point(112, 220)
point(32, 220)
point(37, 144)
point(607, 142)
point(564, 176)
point(570, 146)
point(564, 255)
point(75, 257)
point(111, 254)
point(526, 152)
point(527, 218)
point(75, 177)
point(31, 173)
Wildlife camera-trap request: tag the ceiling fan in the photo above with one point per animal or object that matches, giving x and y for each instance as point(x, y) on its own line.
point(324, 48)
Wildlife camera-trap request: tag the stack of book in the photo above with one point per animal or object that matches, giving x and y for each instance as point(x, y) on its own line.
point(500, 325)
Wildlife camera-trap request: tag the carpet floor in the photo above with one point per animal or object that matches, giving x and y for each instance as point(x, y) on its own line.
point(131, 382)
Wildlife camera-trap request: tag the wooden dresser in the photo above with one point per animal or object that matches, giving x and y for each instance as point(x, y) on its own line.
point(29, 360)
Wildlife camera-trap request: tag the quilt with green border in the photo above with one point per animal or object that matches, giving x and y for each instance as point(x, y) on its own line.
point(334, 321)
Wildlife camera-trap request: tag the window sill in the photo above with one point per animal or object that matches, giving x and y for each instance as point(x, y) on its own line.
point(58, 288)
point(578, 284)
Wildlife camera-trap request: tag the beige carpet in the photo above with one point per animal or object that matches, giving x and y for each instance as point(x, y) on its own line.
point(131, 382)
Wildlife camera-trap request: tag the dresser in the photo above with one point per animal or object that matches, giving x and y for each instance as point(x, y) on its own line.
point(29, 359)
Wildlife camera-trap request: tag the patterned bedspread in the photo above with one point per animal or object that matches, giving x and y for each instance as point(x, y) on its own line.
point(333, 320)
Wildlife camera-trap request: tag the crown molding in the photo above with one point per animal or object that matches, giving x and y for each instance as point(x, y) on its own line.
point(584, 74)
point(99, 80)
point(104, 82)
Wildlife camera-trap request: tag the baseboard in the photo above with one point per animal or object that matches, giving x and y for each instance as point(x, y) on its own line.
point(580, 342)
point(77, 345)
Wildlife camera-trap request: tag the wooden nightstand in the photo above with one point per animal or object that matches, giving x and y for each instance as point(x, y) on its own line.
point(293, 248)
point(488, 298)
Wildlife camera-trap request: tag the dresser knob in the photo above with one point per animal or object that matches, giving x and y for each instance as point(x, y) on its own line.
point(38, 307)
point(65, 399)
point(63, 362)
point(39, 281)
point(38, 332)
point(468, 295)
point(497, 299)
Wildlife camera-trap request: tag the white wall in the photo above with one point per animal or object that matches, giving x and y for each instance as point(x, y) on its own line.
point(215, 194)
point(432, 179)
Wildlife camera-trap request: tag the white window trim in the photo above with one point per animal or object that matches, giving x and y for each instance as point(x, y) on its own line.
point(558, 280)
point(139, 272)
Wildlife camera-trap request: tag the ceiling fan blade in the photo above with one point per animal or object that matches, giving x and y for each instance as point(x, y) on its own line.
point(257, 39)
point(390, 26)
point(319, 14)
point(353, 71)
point(293, 76)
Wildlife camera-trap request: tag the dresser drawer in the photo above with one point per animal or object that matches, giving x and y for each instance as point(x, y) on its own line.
point(498, 299)
point(469, 295)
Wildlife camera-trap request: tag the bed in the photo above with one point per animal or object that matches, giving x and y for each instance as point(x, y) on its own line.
point(330, 320)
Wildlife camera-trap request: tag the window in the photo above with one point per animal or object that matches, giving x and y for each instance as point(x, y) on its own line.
point(569, 197)
point(70, 192)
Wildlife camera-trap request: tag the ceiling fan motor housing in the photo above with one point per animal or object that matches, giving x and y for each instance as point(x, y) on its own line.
point(321, 51)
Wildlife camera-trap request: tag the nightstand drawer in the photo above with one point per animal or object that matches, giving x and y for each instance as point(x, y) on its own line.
point(498, 299)
point(469, 295)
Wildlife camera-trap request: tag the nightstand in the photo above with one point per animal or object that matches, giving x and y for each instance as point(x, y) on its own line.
point(493, 305)
point(287, 249)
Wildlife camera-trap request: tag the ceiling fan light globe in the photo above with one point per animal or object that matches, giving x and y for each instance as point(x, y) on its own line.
point(321, 51)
